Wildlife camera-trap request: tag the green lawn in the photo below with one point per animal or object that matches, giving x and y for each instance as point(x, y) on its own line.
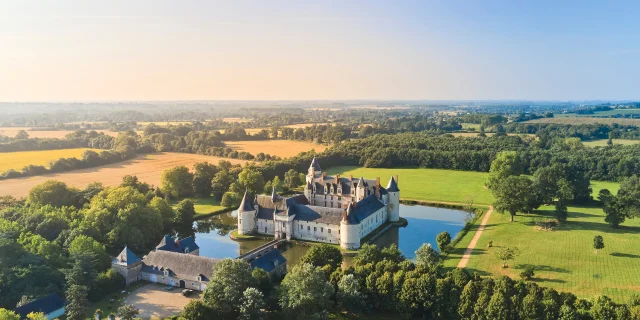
point(564, 259)
point(428, 184)
point(603, 142)
point(203, 205)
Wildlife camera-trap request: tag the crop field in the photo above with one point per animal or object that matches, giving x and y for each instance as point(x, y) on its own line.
point(20, 159)
point(147, 168)
point(564, 258)
point(163, 123)
point(294, 126)
point(280, 148)
point(573, 120)
point(58, 134)
point(236, 120)
point(603, 142)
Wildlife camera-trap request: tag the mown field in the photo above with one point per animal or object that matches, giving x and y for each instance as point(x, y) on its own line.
point(572, 119)
point(147, 168)
point(203, 205)
point(18, 160)
point(564, 258)
point(294, 126)
point(603, 142)
point(280, 148)
point(58, 134)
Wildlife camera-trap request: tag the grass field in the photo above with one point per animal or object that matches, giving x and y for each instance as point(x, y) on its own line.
point(58, 134)
point(603, 142)
point(563, 259)
point(572, 119)
point(294, 126)
point(280, 148)
point(147, 168)
point(18, 160)
point(469, 126)
point(203, 205)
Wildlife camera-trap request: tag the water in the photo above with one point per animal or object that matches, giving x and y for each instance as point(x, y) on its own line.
point(424, 224)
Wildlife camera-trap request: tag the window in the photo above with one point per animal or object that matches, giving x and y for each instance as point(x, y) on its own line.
point(321, 229)
point(308, 228)
point(329, 230)
point(240, 221)
point(300, 227)
point(314, 228)
point(265, 229)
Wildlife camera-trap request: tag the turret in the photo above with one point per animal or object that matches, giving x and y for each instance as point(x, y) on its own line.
point(128, 265)
point(314, 170)
point(361, 191)
point(393, 196)
point(247, 215)
point(350, 229)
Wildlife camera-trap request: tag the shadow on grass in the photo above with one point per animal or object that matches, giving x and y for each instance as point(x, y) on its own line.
point(542, 280)
point(473, 271)
point(537, 267)
point(625, 255)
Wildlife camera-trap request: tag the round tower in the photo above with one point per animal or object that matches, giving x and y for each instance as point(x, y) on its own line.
point(247, 216)
point(314, 170)
point(349, 229)
point(393, 200)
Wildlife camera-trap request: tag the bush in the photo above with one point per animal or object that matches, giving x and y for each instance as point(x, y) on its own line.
point(527, 274)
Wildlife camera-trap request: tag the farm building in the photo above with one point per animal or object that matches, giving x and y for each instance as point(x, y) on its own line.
point(52, 306)
point(332, 209)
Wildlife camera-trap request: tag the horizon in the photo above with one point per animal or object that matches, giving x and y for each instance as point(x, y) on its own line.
point(162, 51)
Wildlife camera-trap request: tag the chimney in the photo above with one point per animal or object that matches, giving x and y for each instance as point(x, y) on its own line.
point(378, 187)
point(398, 183)
point(350, 177)
point(337, 178)
point(323, 175)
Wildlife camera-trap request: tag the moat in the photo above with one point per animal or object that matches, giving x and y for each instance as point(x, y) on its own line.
point(424, 223)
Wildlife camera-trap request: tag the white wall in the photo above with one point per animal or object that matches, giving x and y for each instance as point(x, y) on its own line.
point(309, 230)
point(372, 222)
point(264, 223)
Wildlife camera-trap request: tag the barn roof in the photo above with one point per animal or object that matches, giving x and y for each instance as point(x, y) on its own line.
point(126, 257)
point(182, 266)
point(269, 261)
point(45, 305)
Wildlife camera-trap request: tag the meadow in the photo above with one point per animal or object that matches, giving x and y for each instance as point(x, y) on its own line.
point(163, 123)
point(564, 258)
point(280, 148)
point(57, 134)
point(603, 142)
point(203, 206)
point(574, 120)
point(20, 159)
point(294, 126)
point(147, 168)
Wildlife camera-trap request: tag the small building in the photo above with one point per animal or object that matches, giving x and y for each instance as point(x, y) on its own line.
point(177, 269)
point(187, 245)
point(52, 306)
point(128, 265)
point(273, 263)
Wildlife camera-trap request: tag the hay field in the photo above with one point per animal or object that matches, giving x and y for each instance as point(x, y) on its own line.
point(20, 159)
point(58, 134)
point(236, 120)
point(294, 126)
point(572, 120)
point(280, 148)
point(147, 168)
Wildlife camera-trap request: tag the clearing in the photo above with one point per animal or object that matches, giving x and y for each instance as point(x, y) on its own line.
point(155, 302)
point(58, 134)
point(202, 205)
point(147, 168)
point(572, 119)
point(603, 142)
point(294, 126)
point(19, 159)
point(280, 148)
point(564, 258)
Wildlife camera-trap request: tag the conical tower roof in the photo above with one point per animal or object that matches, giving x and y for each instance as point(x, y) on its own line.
point(392, 186)
point(126, 257)
point(246, 204)
point(361, 182)
point(274, 195)
point(315, 165)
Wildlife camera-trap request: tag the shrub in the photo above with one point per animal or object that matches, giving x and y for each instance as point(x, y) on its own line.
point(527, 273)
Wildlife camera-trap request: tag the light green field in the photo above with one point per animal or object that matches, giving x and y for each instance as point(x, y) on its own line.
point(18, 160)
point(203, 205)
point(470, 126)
point(428, 184)
point(563, 259)
point(603, 142)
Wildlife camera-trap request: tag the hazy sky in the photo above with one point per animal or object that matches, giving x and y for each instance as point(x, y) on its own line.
point(183, 50)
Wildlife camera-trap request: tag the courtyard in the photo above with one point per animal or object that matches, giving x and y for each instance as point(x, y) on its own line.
point(155, 302)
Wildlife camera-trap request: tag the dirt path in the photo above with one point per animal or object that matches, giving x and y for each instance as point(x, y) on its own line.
point(474, 241)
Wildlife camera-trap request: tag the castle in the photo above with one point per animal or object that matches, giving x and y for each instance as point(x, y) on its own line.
point(332, 209)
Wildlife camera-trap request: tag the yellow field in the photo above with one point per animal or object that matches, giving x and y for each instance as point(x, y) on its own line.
point(236, 120)
point(280, 148)
point(294, 126)
point(18, 160)
point(163, 123)
point(147, 168)
point(58, 134)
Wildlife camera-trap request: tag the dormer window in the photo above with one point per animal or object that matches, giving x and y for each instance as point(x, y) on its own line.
point(186, 250)
point(200, 278)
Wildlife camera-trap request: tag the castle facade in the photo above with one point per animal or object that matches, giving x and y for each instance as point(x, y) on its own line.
point(333, 209)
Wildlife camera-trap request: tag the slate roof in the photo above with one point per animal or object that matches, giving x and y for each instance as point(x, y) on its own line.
point(182, 266)
point(363, 209)
point(167, 244)
point(246, 204)
point(45, 305)
point(315, 165)
point(269, 261)
point(126, 258)
point(317, 214)
point(267, 207)
point(392, 186)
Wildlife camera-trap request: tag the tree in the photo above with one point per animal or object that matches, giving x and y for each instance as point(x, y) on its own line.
point(598, 243)
point(427, 256)
point(229, 281)
point(506, 253)
point(128, 312)
point(185, 212)
point(230, 199)
point(196, 310)
point(350, 296)
point(262, 281)
point(512, 194)
point(84, 245)
point(322, 255)
point(177, 182)
point(165, 210)
point(443, 239)
point(134, 182)
point(250, 179)
point(252, 304)
point(36, 316)
point(52, 192)
point(505, 164)
point(21, 135)
point(8, 315)
point(202, 177)
point(527, 273)
point(220, 183)
point(305, 292)
point(292, 179)
point(498, 307)
point(77, 302)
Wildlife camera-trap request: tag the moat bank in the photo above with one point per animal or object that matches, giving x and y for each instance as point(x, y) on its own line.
point(424, 223)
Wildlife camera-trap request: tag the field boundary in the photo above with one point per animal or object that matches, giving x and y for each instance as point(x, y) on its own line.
point(472, 245)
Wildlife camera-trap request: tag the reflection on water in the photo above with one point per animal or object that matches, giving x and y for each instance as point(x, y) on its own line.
point(212, 235)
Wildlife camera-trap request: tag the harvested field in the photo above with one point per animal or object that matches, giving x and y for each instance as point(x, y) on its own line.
point(59, 134)
point(236, 120)
point(280, 148)
point(20, 159)
point(294, 126)
point(163, 123)
point(572, 120)
point(147, 168)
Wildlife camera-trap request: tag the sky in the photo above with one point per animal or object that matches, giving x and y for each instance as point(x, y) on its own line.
point(67, 50)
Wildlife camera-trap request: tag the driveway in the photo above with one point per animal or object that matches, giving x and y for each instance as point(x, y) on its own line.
point(155, 302)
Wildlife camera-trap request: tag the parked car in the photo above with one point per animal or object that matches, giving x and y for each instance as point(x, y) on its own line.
point(187, 292)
